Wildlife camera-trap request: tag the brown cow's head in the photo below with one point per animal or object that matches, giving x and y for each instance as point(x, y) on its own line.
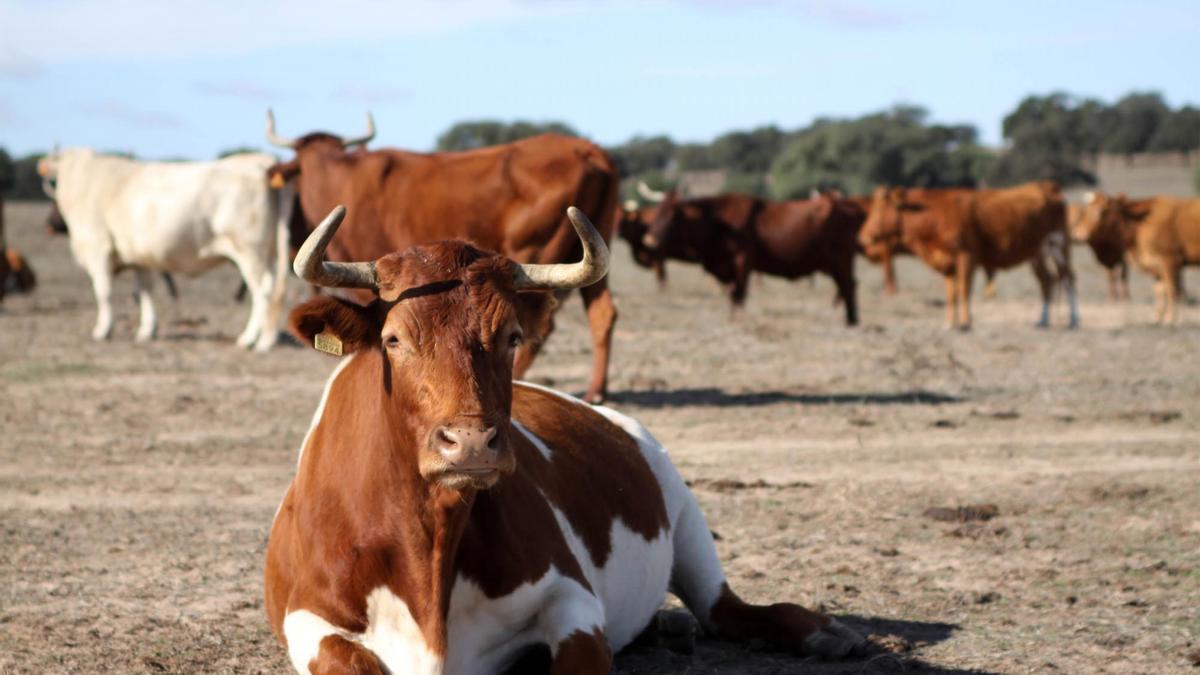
point(880, 235)
point(447, 322)
point(1108, 218)
point(632, 224)
point(313, 147)
point(664, 225)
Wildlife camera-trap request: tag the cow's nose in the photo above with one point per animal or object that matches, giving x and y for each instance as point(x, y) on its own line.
point(467, 447)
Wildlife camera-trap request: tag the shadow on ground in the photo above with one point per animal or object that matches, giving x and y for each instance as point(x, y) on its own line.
point(718, 398)
point(895, 649)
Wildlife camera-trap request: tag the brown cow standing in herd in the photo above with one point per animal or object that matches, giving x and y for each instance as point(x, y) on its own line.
point(732, 235)
point(1161, 235)
point(956, 230)
point(1110, 254)
point(444, 518)
point(507, 198)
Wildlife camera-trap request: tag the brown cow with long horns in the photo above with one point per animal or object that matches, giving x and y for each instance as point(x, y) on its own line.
point(507, 198)
point(445, 519)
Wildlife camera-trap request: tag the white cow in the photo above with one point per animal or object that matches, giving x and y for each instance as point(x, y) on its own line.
point(181, 217)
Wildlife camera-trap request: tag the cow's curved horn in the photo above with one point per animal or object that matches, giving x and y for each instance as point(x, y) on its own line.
point(365, 138)
point(586, 272)
point(648, 194)
point(276, 139)
point(310, 266)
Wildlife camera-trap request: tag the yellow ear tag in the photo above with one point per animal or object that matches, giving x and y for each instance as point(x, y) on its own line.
point(277, 181)
point(328, 343)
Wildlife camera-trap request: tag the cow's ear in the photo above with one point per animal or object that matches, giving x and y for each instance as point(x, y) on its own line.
point(335, 326)
point(534, 310)
point(280, 174)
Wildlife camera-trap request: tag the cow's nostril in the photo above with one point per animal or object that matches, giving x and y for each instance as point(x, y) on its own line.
point(447, 442)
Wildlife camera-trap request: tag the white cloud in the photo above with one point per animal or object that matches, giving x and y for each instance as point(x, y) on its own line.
point(240, 89)
point(71, 30)
point(16, 64)
point(371, 94)
point(136, 117)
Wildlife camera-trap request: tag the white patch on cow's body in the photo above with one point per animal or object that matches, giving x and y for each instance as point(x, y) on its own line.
point(532, 438)
point(696, 576)
point(394, 636)
point(485, 634)
point(304, 632)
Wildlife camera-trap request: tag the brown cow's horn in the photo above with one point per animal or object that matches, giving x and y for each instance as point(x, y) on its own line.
point(648, 194)
point(365, 138)
point(275, 139)
point(586, 272)
point(310, 266)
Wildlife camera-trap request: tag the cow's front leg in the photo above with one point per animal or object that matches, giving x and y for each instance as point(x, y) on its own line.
point(581, 652)
point(571, 622)
point(339, 656)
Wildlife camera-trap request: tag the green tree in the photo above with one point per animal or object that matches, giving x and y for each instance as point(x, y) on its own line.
point(7, 172)
point(894, 147)
point(237, 150)
point(1138, 116)
point(642, 154)
point(748, 151)
point(1179, 132)
point(483, 133)
point(1047, 137)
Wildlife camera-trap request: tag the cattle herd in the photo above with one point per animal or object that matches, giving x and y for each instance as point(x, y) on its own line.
point(444, 518)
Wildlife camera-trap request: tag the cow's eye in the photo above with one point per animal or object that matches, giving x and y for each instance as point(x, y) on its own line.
point(391, 342)
point(514, 339)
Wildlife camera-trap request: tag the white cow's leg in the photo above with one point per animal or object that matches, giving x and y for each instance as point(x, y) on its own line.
point(253, 273)
point(100, 270)
point(148, 327)
point(272, 306)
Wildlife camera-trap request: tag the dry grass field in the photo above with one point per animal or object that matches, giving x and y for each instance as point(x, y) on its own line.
point(138, 482)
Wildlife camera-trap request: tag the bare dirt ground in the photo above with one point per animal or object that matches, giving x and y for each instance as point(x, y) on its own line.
point(138, 483)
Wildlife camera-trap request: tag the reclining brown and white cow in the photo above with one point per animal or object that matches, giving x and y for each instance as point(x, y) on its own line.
point(446, 519)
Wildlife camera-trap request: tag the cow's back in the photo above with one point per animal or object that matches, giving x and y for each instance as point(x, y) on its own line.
point(508, 198)
point(1012, 223)
point(802, 236)
point(1171, 229)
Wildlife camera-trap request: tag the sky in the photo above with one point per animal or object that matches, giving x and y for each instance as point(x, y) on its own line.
point(189, 78)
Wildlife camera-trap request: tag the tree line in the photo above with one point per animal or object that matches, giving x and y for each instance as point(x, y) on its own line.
point(1052, 136)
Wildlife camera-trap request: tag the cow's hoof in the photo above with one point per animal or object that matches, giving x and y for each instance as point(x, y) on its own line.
point(1074, 325)
point(964, 328)
point(676, 631)
point(834, 641)
point(101, 335)
point(144, 337)
point(1042, 324)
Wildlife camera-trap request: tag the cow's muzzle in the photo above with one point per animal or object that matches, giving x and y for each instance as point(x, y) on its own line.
point(469, 455)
